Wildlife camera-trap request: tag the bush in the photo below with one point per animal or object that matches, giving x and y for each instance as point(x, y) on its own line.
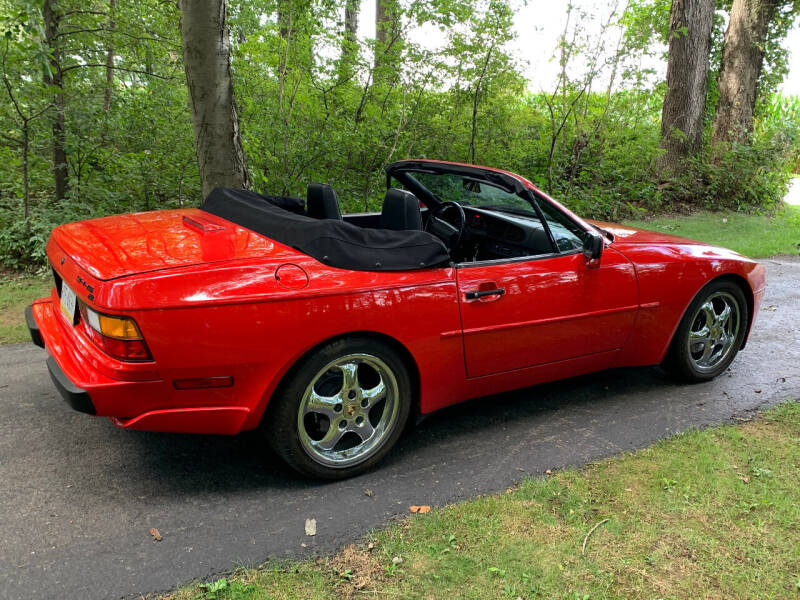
point(23, 242)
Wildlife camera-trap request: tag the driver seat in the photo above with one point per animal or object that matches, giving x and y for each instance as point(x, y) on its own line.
point(401, 211)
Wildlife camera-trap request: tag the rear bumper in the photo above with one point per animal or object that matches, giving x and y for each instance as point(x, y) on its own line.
point(147, 405)
point(33, 327)
point(76, 397)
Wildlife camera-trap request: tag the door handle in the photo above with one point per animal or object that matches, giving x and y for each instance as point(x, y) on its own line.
point(475, 294)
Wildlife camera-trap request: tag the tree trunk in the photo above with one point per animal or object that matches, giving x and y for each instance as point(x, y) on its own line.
point(682, 114)
point(349, 44)
point(742, 60)
point(54, 78)
point(206, 56)
point(26, 194)
point(382, 21)
point(112, 6)
point(387, 26)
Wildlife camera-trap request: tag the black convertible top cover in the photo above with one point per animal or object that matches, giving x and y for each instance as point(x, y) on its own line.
point(332, 242)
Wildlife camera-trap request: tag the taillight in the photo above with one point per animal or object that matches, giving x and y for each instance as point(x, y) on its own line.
point(116, 336)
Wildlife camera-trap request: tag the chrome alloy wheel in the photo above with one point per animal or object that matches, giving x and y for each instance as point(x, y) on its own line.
point(714, 331)
point(348, 410)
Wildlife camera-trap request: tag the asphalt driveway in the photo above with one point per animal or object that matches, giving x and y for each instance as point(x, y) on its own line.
point(79, 496)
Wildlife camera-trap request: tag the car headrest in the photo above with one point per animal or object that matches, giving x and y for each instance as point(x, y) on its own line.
point(400, 211)
point(321, 202)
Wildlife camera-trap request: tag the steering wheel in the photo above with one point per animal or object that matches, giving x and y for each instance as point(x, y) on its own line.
point(450, 234)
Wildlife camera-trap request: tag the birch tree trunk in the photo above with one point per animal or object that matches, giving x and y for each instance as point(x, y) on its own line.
point(682, 114)
point(742, 60)
point(207, 59)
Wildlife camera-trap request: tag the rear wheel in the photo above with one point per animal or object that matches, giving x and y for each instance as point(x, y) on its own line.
point(342, 409)
point(710, 333)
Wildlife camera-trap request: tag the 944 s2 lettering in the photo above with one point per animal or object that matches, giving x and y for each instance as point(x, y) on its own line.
point(330, 332)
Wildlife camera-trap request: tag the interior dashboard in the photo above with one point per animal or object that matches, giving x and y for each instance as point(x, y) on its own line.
point(490, 234)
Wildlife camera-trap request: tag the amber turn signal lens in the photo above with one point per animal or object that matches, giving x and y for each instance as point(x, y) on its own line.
point(120, 328)
point(116, 336)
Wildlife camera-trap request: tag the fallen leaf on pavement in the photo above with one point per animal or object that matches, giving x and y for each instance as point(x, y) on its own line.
point(311, 527)
point(156, 535)
point(548, 472)
point(757, 391)
point(420, 509)
point(369, 493)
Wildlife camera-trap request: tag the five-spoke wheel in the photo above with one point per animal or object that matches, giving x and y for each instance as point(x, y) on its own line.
point(342, 410)
point(710, 333)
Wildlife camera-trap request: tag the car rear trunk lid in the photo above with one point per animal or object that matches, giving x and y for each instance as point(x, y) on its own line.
point(122, 245)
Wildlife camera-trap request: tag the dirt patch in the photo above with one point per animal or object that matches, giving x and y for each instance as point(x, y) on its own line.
point(358, 570)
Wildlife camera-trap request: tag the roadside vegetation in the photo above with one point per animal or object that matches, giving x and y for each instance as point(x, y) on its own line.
point(17, 292)
point(95, 117)
point(756, 236)
point(704, 514)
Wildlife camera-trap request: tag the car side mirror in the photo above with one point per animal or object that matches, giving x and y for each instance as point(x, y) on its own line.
point(593, 249)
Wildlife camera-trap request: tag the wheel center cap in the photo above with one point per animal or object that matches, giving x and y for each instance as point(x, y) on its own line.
point(350, 411)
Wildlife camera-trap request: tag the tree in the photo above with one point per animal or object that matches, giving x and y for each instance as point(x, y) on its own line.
point(54, 78)
point(349, 41)
point(112, 6)
point(207, 61)
point(742, 61)
point(387, 28)
point(683, 110)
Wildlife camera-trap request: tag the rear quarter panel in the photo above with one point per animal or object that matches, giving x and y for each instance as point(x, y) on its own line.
point(238, 321)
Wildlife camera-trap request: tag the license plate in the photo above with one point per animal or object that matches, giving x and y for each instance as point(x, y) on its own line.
point(68, 302)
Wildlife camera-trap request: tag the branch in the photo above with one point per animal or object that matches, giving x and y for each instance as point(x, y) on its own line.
point(11, 138)
point(85, 12)
point(591, 531)
point(73, 67)
point(76, 31)
point(8, 85)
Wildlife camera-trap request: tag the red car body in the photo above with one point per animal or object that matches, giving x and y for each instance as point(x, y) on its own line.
point(226, 313)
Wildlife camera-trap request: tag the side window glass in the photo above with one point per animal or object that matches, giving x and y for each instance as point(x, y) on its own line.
point(569, 236)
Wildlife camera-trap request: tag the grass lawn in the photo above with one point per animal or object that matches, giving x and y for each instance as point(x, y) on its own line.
point(756, 236)
point(17, 292)
point(705, 514)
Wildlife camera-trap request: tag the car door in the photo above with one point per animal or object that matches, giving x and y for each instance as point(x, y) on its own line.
point(519, 314)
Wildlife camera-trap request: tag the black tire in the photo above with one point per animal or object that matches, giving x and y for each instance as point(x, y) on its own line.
point(312, 387)
point(685, 360)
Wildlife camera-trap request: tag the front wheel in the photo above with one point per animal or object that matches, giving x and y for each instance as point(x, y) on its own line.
point(342, 409)
point(710, 334)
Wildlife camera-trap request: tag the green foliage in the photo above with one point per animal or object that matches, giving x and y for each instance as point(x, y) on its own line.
point(315, 105)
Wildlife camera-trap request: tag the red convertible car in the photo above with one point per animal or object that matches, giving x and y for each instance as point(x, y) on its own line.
point(330, 333)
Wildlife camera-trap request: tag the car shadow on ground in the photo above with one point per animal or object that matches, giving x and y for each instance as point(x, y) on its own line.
point(177, 464)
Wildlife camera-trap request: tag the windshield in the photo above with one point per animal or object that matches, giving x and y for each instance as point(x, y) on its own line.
point(470, 191)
